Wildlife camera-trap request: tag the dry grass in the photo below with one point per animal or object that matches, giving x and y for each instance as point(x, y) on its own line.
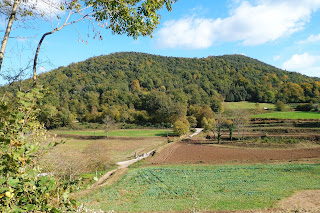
point(84, 156)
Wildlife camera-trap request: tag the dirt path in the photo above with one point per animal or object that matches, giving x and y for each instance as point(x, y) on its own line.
point(121, 166)
point(124, 164)
point(198, 130)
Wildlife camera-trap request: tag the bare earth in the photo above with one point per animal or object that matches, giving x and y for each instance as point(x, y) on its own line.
point(183, 152)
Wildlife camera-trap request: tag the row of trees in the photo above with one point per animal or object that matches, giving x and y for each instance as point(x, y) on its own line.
point(214, 122)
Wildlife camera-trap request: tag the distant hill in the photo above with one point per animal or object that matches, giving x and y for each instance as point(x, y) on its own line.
point(149, 85)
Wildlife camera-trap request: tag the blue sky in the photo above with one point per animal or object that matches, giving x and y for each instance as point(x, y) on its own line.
point(283, 33)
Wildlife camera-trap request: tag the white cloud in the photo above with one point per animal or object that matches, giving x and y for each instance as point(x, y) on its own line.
point(249, 23)
point(304, 63)
point(190, 32)
point(311, 39)
point(45, 7)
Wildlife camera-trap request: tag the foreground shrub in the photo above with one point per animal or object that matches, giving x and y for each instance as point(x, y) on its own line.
point(22, 142)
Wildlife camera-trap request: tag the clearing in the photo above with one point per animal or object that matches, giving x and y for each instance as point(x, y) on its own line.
point(289, 115)
point(247, 105)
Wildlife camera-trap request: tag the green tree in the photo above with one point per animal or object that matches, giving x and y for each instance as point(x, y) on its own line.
point(280, 106)
point(204, 123)
point(193, 121)
point(230, 126)
point(181, 127)
point(220, 122)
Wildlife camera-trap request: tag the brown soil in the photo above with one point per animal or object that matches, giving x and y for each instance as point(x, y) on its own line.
point(185, 152)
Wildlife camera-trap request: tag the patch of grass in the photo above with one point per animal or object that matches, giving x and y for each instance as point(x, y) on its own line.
point(121, 133)
point(204, 188)
point(246, 105)
point(289, 115)
point(118, 149)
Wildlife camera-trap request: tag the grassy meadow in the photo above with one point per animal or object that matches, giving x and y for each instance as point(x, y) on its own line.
point(120, 133)
point(289, 115)
point(205, 188)
point(246, 105)
point(116, 149)
point(81, 158)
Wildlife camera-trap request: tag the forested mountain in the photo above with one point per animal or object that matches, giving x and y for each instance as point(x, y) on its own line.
point(138, 88)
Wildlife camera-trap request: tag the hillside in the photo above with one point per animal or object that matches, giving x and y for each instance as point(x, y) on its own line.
point(140, 88)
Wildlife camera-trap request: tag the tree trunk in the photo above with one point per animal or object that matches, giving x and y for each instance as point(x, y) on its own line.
point(243, 133)
point(219, 134)
point(42, 38)
point(231, 133)
point(36, 57)
point(8, 30)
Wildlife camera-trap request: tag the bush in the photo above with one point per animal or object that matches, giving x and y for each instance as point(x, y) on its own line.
point(280, 106)
point(304, 107)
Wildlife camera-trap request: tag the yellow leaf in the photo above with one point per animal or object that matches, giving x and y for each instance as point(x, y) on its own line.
point(9, 194)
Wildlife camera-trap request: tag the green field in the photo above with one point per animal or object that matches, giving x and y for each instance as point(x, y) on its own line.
point(120, 133)
point(204, 188)
point(289, 115)
point(246, 105)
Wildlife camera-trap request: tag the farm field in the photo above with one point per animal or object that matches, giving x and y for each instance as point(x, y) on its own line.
point(289, 115)
point(120, 133)
point(195, 153)
point(204, 187)
point(246, 105)
point(199, 175)
point(87, 155)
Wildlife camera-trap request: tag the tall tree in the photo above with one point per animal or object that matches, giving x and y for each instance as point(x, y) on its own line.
point(109, 124)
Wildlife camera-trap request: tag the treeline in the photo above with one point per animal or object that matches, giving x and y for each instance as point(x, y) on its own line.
point(141, 88)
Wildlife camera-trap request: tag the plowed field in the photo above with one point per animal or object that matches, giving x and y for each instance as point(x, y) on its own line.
point(183, 152)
